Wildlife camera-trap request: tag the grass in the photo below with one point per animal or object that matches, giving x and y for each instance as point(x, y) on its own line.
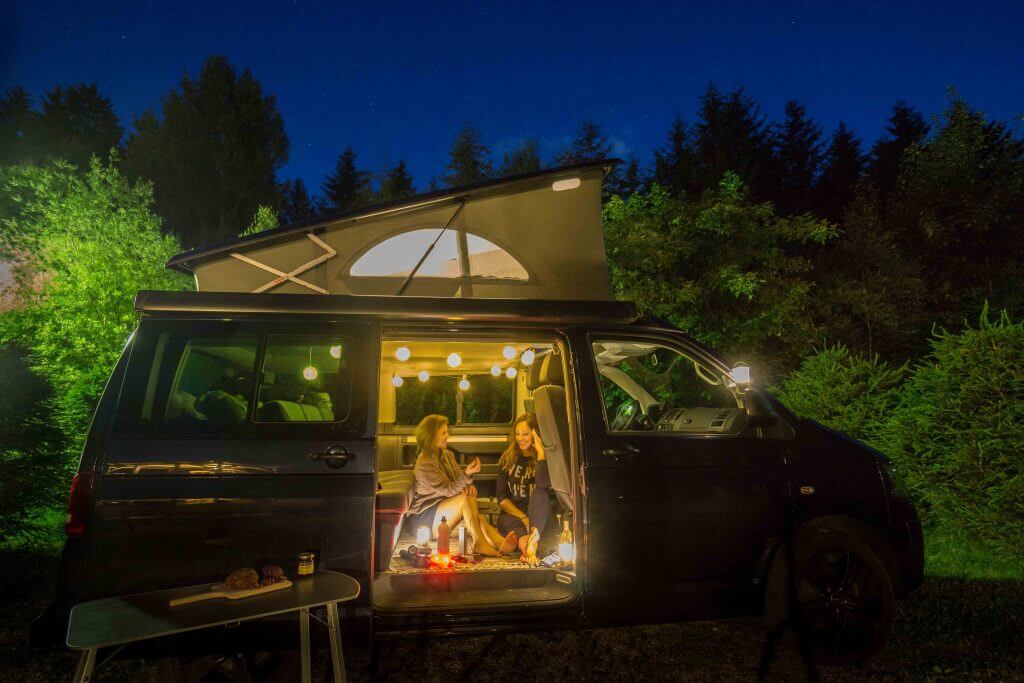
point(966, 627)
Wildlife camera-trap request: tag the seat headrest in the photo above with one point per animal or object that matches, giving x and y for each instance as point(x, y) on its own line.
point(546, 372)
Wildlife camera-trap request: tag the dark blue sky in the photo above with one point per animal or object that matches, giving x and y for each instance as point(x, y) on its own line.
point(398, 80)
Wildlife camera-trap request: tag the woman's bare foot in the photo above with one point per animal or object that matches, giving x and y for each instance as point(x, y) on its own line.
point(530, 556)
point(509, 545)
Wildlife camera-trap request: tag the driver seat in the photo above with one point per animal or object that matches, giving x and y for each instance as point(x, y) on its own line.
point(547, 383)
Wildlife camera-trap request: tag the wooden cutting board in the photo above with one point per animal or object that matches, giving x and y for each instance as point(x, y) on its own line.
point(220, 590)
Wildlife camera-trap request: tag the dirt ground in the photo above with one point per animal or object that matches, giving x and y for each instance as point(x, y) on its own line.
point(947, 630)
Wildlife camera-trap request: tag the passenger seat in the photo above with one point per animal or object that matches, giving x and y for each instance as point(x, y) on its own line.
point(548, 386)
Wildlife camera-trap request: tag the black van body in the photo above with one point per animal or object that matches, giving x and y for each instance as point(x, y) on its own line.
point(673, 526)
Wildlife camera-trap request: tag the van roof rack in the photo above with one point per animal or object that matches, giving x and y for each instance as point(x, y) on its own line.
point(410, 307)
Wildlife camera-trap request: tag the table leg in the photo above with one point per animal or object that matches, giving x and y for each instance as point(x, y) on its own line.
point(83, 672)
point(304, 640)
point(337, 654)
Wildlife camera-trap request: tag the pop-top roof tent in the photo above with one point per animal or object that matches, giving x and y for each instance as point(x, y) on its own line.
point(532, 236)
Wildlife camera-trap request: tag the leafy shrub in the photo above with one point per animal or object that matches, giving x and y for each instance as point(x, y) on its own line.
point(957, 434)
point(843, 391)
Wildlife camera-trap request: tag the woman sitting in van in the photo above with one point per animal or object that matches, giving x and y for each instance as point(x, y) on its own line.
point(443, 490)
point(522, 489)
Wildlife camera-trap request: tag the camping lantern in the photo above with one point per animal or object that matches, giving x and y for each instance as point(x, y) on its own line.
point(422, 536)
point(566, 553)
point(740, 374)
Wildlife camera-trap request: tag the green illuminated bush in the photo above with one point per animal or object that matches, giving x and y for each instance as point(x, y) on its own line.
point(843, 391)
point(957, 434)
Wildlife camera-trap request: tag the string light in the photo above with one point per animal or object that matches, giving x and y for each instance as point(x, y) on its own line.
point(495, 370)
point(528, 356)
point(309, 372)
point(511, 373)
point(423, 375)
point(396, 380)
point(402, 353)
point(454, 360)
point(336, 351)
point(464, 383)
point(509, 352)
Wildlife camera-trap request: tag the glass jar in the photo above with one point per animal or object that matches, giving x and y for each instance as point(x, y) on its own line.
point(305, 564)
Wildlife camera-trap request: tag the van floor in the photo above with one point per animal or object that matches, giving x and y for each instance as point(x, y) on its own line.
point(400, 565)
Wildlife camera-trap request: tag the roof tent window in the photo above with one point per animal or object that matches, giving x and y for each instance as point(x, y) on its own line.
point(397, 256)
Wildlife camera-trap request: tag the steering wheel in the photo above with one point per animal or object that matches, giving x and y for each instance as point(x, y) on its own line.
point(625, 416)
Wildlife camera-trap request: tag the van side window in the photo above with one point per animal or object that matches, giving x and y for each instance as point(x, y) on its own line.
point(649, 387)
point(490, 400)
point(200, 384)
point(304, 380)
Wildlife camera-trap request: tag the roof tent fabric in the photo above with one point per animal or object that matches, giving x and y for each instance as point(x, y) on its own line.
point(534, 236)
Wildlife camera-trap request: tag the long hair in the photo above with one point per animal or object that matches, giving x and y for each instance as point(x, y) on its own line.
point(507, 461)
point(426, 439)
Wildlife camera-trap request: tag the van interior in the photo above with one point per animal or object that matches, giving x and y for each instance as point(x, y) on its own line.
point(481, 386)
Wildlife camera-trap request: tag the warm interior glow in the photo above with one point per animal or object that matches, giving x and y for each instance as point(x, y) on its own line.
point(511, 373)
point(336, 352)
point(528, 356)
point(509, 352)
point(402, 353)
point(423, 375)
point(441, 561)
point(565, 184)
point(454, 360)
point(309, 372)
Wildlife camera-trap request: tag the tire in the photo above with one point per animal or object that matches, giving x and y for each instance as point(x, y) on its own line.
point(838, 600)
point(260, 666)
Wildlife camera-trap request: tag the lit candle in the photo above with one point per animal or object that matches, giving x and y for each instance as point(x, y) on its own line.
point(422, 536)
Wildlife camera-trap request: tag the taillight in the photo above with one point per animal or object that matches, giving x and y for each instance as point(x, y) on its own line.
point(78, 504)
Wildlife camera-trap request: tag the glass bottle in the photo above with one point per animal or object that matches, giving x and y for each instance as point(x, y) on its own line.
point(566, 551)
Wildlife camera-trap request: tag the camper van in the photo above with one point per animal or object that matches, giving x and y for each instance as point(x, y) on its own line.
point(273, 412)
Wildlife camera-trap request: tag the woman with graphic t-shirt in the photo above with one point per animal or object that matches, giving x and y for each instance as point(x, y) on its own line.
point(522, 489)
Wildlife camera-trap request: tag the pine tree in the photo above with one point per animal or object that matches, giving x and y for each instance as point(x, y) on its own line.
point(523, 159)
point(675, 163)
point(589, 144)
point(628, 181)
point(295, 202)
point(396, 184)
point(842, 168)
point(78, 123)
point(467, 160)
point(19, 128)
point(907, 127)
point(348, 187)
point(731, 135)
point(797, 143)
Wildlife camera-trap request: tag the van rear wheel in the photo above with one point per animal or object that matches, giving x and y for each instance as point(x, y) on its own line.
point(839, 598)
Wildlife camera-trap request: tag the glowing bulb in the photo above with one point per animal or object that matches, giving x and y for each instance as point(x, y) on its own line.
point(528, 356)
point(423, 376)
point(511, 373)
point(310, 373)
point(454, 360)
point(741, 374)
point(464, 384)
point(402, 353)
point(422, 536)
point(396, 380)
point(495, 370)
point(336, 352)
point(509, 352)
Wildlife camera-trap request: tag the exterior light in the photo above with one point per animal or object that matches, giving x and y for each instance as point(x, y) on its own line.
point(565, 184)
point(740, 374)
point(396, 380)
point(528, 356)
point(423, 376)
point(310, 373)
point(464, 383)
point(336, 351)
point(511, 373)
point(509, 352)
point(495, 370)
point(454, 360)
point(402, 353)
point(422, 536)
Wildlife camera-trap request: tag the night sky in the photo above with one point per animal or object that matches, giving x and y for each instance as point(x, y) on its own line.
point(399, 81)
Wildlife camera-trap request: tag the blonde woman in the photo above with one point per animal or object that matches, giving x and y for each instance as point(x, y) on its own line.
point(522, 489)
point(444, 490)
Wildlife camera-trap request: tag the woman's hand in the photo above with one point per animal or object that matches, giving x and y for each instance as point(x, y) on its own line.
point(473, 467)
point(470, 491)
point(537, 444)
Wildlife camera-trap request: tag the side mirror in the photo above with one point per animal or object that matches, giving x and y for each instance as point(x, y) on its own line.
point(759, 410)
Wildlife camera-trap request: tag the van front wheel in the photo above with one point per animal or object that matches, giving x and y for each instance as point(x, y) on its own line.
point(839, 598)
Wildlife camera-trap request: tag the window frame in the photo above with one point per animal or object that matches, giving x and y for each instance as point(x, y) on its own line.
point(675, 342)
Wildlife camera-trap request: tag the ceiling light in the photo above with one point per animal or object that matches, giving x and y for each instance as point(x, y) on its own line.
point(454, 360)
point(511, 373)
point(309, 372)
point(423, 376)
point(402, 353)
point(528, 356)
point(336, 351)
point(509, 352)
point(464, 383)
point(495, 370)
point(396, 380)
point(565, 184)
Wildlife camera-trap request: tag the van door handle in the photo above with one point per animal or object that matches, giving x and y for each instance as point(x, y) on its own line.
point(624, 453)
point(334, 456)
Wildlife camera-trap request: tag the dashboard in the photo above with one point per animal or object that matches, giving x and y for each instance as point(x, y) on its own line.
point(702, 420)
